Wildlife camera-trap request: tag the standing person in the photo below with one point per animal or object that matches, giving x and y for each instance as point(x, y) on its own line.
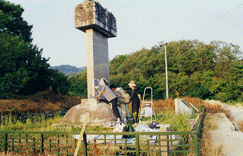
point(110, 96)
point(135, 100)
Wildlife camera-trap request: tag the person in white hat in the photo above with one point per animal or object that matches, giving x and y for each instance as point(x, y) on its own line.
point(135, 101)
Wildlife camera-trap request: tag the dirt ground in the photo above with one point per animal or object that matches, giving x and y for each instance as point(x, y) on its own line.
point(228, 134)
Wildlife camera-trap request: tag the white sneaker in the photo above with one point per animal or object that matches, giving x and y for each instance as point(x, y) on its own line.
point(118, 120)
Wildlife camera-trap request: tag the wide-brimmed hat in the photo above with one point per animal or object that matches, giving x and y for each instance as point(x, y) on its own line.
point(132, 83)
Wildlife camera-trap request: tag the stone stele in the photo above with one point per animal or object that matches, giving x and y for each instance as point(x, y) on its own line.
point(99, 25)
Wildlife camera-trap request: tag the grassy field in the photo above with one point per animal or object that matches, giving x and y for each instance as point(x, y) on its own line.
point(48, 101)
point(39, 123)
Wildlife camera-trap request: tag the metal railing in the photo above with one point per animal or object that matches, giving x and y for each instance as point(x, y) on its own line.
point(108, 143)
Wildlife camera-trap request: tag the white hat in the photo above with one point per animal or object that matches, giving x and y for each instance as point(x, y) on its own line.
point(132, 83)
point(102, 81)
point(147, 105)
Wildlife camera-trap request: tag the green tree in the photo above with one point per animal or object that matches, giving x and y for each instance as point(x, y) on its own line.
point(12, 22)
point(194, 69)
point(190, 56)
point(59, 82)
point(23, 70)
point(78, 84)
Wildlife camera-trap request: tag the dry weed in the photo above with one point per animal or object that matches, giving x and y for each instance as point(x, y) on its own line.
point(19, 154)
point(102, 150)
point(43, 101)
point(240, 125)
point(216, 108)
point(162, 105)
point(171, 103)
point(210, 123)
point(193, 100)
point(208, 146)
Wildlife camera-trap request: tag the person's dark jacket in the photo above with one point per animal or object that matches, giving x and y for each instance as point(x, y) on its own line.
point(135, 101)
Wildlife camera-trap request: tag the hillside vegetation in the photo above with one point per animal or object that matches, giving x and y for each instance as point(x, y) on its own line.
point(195, 69)
point(68, 69)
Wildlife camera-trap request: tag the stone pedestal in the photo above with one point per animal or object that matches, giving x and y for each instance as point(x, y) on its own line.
point(98, 113)
point(181, 107)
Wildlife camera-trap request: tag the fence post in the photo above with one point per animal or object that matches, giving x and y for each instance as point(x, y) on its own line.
point(58, 143)
point(5, 144)
point(12, 144)
point(19, 141)
point(19, 138)
point(85, 144)
point(41, 143)
point(195, 142)
point(34, 144)
point(50, 146)
point(137, 144)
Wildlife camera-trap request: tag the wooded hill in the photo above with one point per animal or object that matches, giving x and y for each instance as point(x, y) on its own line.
point(68, 69)
point(212, 71)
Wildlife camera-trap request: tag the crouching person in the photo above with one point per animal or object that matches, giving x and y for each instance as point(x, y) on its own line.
point(110, 97)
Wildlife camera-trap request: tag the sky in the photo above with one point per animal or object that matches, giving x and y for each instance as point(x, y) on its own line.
point(140, 24)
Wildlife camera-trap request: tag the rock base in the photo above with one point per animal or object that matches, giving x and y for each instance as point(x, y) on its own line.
point(98, 113)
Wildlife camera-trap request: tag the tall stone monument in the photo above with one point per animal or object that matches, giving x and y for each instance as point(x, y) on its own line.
point(99, 25)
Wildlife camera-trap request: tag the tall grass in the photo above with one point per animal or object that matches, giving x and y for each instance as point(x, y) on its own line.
point(40, 123)
point(163, 105)
point(177, 122)
point(36, 123)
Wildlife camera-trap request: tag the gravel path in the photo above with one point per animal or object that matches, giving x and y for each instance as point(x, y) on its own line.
point(227, 134)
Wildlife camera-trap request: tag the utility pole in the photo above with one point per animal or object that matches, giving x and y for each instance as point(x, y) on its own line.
point(166, 74)
point(166, 70)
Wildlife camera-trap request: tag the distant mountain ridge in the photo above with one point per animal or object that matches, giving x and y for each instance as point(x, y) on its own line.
point(68, 69)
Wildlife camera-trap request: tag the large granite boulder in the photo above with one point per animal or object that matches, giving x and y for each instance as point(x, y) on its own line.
point(98, 113)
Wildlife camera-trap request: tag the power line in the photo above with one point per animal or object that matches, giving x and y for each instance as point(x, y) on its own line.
point(212, 20)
